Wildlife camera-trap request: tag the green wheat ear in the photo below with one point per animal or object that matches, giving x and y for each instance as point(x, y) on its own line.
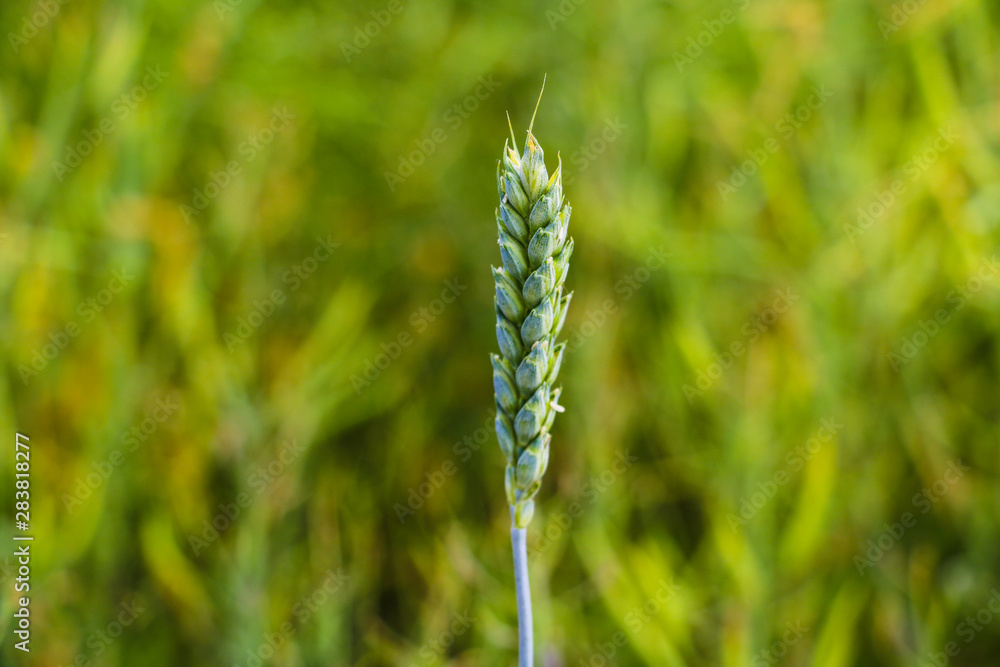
point(532, 223)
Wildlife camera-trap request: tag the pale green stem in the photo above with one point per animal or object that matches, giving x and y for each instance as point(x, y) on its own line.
point(525, 644)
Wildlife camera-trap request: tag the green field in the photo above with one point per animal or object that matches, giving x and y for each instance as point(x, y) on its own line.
point(245, 255)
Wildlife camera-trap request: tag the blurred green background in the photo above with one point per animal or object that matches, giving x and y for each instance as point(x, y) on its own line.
point(244, 260)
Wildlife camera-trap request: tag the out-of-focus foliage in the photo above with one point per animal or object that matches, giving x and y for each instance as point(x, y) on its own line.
point(781, 437)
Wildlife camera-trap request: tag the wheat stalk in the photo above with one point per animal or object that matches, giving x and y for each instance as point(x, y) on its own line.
point(532, 223)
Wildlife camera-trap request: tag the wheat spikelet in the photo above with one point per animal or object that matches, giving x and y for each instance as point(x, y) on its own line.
point(535, 250)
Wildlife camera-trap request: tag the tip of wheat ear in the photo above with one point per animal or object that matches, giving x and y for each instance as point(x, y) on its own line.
point(535, 250)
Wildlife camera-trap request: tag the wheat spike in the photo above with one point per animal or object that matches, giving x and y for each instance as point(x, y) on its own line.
point(535, 249)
